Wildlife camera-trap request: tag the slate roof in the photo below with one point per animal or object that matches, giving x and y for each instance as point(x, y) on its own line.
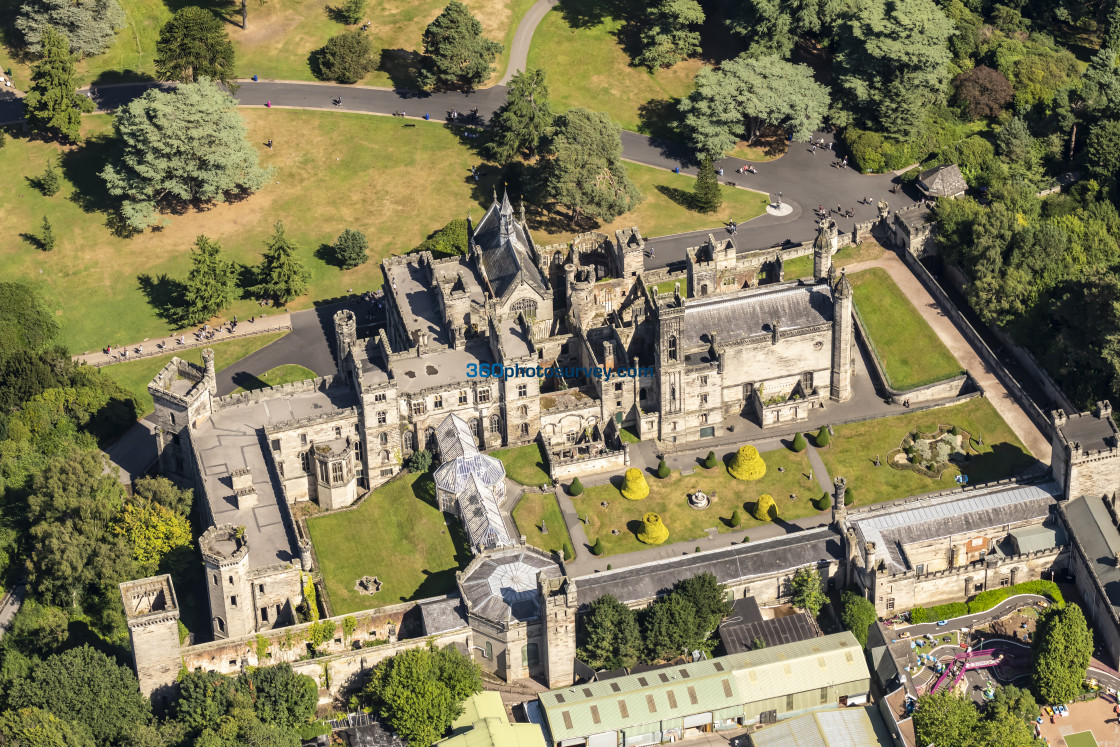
point(502, 585)
point(1091, 432)
point(742, 315)
point(944, 515)
point(442, 615)
point(943, 181)
point(729, 564)
point(477, 480)
point(739, 631)
point(1091, 524)
point(1033, 539)
point(840, 728)
point(507, 258)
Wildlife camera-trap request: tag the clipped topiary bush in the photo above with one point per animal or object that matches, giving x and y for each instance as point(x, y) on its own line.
point(576, 487)
point(765, 509)
point(597, 548)
point(747, 464)
point(849, 496)
point(634, 485)
point(823, 503)
point(662, 469)
point(799, 444)
point(710, 461)
point(654, 532)
point(822, 439)
point(736, 518)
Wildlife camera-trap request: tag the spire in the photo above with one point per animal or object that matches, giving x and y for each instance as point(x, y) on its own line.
point(507, 208)
point(843, 287)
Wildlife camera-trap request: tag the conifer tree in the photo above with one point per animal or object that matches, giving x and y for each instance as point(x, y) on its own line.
point(194, 45)
point(662, 469)
point(46, 237)
point(706, 196)
point(597, 548)
point(50, 182)
point(90, 26)
point(350, 249)
point(53, 107)
point(576, 488)
point(710, 460)
point(456, 54)
point(799, 443)
point(282, 273)
point(521, 123)
point(210, 285)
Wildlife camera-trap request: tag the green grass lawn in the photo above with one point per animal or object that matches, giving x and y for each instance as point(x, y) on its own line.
point(802, 267)
point(278, 376)
point(531, 510)
point(853, 449)
point(398, 535)
point(909, 352)
point(668, 287)
point(587, 67)
point(524, 464)
point(99, 284)
point(669, 498)
point(1081, 739)
point(136, 375)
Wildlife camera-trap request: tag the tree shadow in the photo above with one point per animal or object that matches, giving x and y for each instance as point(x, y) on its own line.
point(248, 381)
point(403, 67)
point(227, 10)
point(107, 77)
point(1004, 460)
point(679, 196)
point(580, 14)
point(634, 526)
point(82, 168)
point(476, 140)
point(425, 489)
point(34, 241)
point(659, 118)
point(114, 418)
point(326, 253)
point(165, 295)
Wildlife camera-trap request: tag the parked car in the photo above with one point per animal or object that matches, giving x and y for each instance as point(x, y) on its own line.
point(1042, 603)
point(942, 622)
point(904, 635)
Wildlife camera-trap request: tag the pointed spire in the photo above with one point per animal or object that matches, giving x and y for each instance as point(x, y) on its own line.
point(843, 287)
point(507, 208)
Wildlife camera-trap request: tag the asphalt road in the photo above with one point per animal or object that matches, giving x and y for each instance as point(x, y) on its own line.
point(970, 621)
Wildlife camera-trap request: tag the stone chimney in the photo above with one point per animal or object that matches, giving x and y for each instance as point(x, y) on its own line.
point(608, 355)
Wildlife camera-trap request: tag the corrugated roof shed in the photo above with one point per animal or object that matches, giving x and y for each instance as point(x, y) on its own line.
point(850, 727)
point(702, 686)
point(486, 704)
point(484, 724)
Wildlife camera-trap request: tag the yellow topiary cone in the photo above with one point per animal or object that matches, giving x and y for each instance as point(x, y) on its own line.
point(747, 464)
point(634, 485)
point(653, 531)
point(766, 509)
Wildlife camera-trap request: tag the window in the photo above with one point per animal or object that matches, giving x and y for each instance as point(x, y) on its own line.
point(704, 417)
point(978, 588)
point(383, 439)
point(280, 468)
point(385, 456)
point(524, 429)
point(260, 588)
point(382, 416)
point(474, 426)
point(495, 425)
point(323, 472)
point(890, 603)
point(920, 569)
point(523, 411)
point(305, 462)
point(430, 439)
point(703, 289)
point(570, 437)
point(264, 614)
point(437, 403)
point(172, 418)
point(1004, 581)
point(522, 390)
point(703, 381)
point(462, 396)
point(409, 440)
point(672, 347)
point(673, 395)
point(379, 397)
point(530, 654)
point(276, 444)
point(618, 386)
point(336, 472)
point(483, 395)
point(642, 393)
point(824, 694)
point(216, 582)
point(417, 408)
point(703, 399)
point(303, 439)
point(338, 433)
point(220, 624)
point(673, 426)
point(789, 702)
point(233, 601)
point(489, 653)
point(231, 580)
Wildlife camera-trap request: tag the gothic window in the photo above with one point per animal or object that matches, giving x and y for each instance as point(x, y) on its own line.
point(417, 408)
point(483, 395)
point(430, 439)
point(381, 417)
point(437, 404)
point(673, 395)
point(336, 473)
point(303, 439)
point(462, 396)
point(338, 433)
point(526, 305)
point(704, 417)
point(323, 473)
point(220, 624)
point(475, 428)
point(523, 411)
point(672, 347)
point(522, 390)
point(383, 438)
point(385, 456)
point(489, 654)
point(524, 429)
point(495, 425)
point(379, 397)
point(703, 381)
point(409, 441)
point(703, 399)
point(305, 462)
point(642, 393)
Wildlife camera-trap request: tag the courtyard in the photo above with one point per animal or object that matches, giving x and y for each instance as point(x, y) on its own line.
point(537, 516)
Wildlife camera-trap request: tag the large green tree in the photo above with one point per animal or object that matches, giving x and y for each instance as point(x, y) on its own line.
point(734, 102)
point(806, 591)
point(708, 598)
point(282, 274)
point(88, 25)
point(946, 718)
point(85, 686)
point(523, 121)
point(706, 198)
point(35, 727)
point(771, 27)
point(194, 45)
point(611, 636)
point(1102, 149)
point(670, 32)
point(1100, 85)
point(188, 146)
point(456, 54)
point(53, 106)
point(346, 57)
point(205, 698)
point(581, 167)
point(280, 696)
point(1061, 650)
point(419, 692)
point(669, 627)
point(351, 249)
point(893, 62)
point(857, 615)
point(210, 284)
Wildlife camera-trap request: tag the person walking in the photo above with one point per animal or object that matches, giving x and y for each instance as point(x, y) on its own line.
point(269, 143)
point(268, 104)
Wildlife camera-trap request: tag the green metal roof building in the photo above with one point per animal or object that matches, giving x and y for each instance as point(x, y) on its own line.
point(483, 723)
point(753, 687)
point(848, 727)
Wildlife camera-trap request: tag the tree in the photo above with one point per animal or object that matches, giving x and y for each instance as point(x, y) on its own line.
point(581, 167)
point(87, 687)
point(53, 107)
point(893, 62)
point(351, 11)
point(857, 615)
point(736, 518)
point(46, 236)
point(653, 531)
point(708, 598)
point(282, 273)
point(188, 145)
point(204, 699)
point(772, 27)
point(668, 627)
point(734, 102)
point(419, 692)
point(710, 461)
point(945, 718)
point(611, 636)
point(153, 531)
point(822, 438)
point(765, 509)
point(982, 92)
point(576, 487)
point(210, 284)
point(1102, 149)
point(662, 469)
point(345, 58)
point(747, 464)
point(89, 26)
point(456, 54)
point(160, 490)
point(706, 196)
point(280, 696)
point(522, 122)
point(349, 625)
point(1061, 650)
point(634, 485)
point(1100, 86)
point(194, 45)
point(35, 727)
point(597, 548)
point(799, 444)
point(420, 461)
point(351, 249)
point(823, 502)
point(449, 241)
point(670, 33)
point(806, 591)
point(242, 727)
point(1016, 147)
point(50, 182)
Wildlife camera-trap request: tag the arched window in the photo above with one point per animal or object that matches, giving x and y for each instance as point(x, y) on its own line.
point(524, 429)
point(703, 289)
point(672, 394)
point(495, 424)
point(385, 456)
point(383, 438)
point(409, 441)
point(526, 305)
point(523, 411)
point(475, 429)
point(642, 393)
point(672, 347)
point(430, 439)
point(219, 625)
point(489, 650)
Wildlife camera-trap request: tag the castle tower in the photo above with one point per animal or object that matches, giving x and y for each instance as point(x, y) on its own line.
point(183, 394)
point(152, 613)
point(823, 247)
point(842, 340)
point(225, 557)
point(669, 361)
point(630, 251)
point(559, 597)
point(1085, 452)
point(346, 337)
point(210, 373)
point(839, 512)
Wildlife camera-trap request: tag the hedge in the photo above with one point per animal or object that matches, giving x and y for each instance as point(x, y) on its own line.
point(940, 612)
point(985, 600)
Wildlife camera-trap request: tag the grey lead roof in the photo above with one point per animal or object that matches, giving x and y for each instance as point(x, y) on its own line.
point(1091, 523)
point(943, 181)
point(507, 259)
point(742, 315)
point(957, 513)
point(502, 585)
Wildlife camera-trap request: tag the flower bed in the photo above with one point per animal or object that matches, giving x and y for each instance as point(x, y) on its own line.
point(930, 454)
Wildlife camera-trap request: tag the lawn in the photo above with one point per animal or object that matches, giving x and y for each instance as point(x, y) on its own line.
point(531, 510)
point(524, 464)
point(1081, 739)
point(136, 375)
point(853, 449)
point(279, 376)
point(99, 284)
point(669, 498)
point(398, 535)
point(587, 67)
point(909, 352)
point(802, 267)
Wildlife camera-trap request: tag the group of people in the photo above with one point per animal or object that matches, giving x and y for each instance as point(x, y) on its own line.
point(747, 169)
